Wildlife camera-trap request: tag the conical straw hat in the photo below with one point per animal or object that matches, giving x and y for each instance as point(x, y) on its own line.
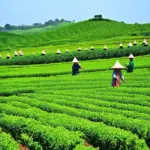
point(15, 53)
point(58, 52)
point(121, 45)
point(131, 56)
point(67, 50)
point(117, 65)
point(130, 44)
point(20, 52)
point(105, 47)
point(0, 56)
point(144, 41)
point(79, 49)
point(75, 60)
point(92, 47)
point(8, 55)
point(43, 52)
point(135, 42)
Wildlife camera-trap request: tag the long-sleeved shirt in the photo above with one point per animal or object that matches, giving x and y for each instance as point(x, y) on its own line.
point(116, 76)
point(75, 68)
point(130, 66)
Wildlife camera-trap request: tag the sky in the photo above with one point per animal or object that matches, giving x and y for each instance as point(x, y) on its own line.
point(27, 12)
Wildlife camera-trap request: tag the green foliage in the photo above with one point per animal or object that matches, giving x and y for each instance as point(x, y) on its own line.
point(47, 136)
point(28, 141)
point(55, 22)
point(7, 142)
point(66, 112)
point(82, 55)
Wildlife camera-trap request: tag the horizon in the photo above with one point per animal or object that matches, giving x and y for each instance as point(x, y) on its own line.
point(15, 12)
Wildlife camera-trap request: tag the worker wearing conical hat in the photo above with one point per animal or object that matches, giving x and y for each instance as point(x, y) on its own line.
point(146, 44)
point(134, 43)
point(21, 53)
point(105, 47)
point(144, 41)
point(75, 66)
point(92, 48)
point(58, 52)
point(15, 53)
point(121, 46)
point(8, 56)
point(130, 67)
point(130, 45)
point(43, 53)
point(117, 74)
point(79, 49)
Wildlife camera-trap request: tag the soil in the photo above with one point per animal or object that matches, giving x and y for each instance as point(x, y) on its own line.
point(87, 144)
point(22, 147)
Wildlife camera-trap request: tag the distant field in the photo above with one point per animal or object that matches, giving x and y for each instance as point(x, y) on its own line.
point(40, 29)
point(84, 34)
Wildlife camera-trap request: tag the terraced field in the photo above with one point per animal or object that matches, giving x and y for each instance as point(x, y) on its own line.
point(75, 112)
point(84, 34)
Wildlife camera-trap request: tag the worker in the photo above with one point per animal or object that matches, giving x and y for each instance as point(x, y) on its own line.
point(130, 67)
point(75, 66)
point(117, 74)
point(8, 56)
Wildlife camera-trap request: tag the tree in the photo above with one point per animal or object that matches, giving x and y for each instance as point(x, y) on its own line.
point(56, 20)
point(7, 26)
point(37, 24)
point(62, 20)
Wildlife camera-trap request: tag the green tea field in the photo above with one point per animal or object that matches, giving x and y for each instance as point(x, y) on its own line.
point(44, 107)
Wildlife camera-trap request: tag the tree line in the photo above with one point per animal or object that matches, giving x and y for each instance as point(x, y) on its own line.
point(9, 27)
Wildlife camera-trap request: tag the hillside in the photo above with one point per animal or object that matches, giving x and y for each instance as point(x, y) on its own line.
point(80, 33)
point(40, 29)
